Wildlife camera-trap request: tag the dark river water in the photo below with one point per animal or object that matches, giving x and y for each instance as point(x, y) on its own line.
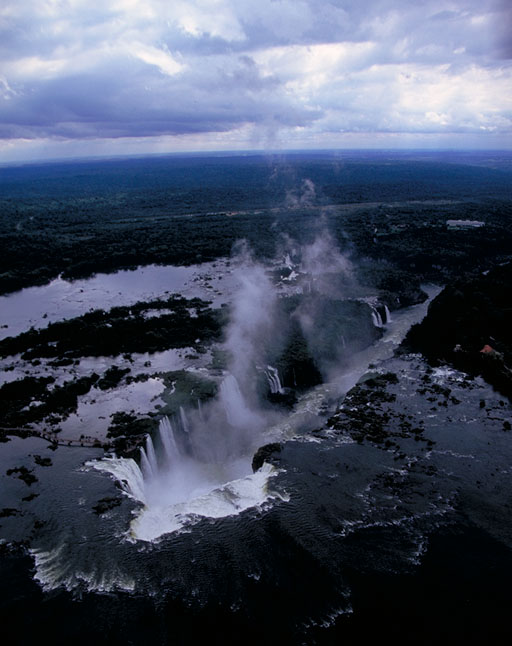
point(356, 540)
point(399, 529)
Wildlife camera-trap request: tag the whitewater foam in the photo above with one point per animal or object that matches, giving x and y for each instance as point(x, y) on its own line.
point(206, 496)
point(53, 571)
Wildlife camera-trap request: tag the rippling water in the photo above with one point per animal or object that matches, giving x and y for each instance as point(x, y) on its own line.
point(338, 511)
point(287, 547)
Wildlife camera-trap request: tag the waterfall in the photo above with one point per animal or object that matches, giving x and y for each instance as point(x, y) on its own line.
point(145, 465)
point(273, 380)
point(127, 472)
point(200, 410)
point(149, 463)
point(171, 450)
point(165, 462)
point(238, 413)
point(198, 464)
point(388, 314)
point(376, 317)
point(184, 420)
point(151, 455)
point(307, 288)
point(232, 400)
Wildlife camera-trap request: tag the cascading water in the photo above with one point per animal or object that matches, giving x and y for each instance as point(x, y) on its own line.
point(239, 415)
point(200, 410)
point(184, 420)
point(147, 466)
point(192, 470)
point(200, 464)
point(274, 381)
point(151, 455)
point(168, 442)
point(377, 318)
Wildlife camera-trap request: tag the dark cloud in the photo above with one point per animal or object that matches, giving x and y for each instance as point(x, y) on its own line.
point(156, 68)
point(128, 100)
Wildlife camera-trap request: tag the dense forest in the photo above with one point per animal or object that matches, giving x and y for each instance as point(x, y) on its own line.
point(79, 218)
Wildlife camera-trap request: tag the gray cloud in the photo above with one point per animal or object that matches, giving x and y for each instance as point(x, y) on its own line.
point(502, 29)
point(302, 66)
point(126, 98)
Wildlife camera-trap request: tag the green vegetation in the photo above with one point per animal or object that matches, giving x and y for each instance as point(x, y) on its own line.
point(17, 407)
point(388, 214)
point(331, 331)
point(121, 330)
point(468, 325)
point(412, 243)
point(185, 389)
point(82, 218)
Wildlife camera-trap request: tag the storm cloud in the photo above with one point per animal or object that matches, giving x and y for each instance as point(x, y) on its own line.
point(231, 73)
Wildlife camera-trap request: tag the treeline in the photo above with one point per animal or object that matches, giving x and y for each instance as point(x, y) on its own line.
point(468, 325)
point(78, 219)
point(416, 241)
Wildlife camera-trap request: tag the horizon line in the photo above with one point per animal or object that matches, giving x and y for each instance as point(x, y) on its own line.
point(246, 152)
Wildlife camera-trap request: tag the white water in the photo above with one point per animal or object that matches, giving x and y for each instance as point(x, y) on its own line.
point(52, 571)
point(274, 381)
point(377, 318)
point(306, 412)
point(218, 500)
point(237, 411)
point(178, 488)
point(200, 464)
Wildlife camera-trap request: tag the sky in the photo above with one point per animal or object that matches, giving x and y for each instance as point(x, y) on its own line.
point(80, 78)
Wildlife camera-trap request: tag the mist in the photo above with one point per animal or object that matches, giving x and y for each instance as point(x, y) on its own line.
point(294, 322)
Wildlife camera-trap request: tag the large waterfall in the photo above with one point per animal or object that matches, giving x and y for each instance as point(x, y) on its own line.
point(197, 465)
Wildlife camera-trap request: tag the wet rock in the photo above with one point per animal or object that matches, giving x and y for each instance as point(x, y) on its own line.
point(286, 398)
point(42, 462)
point(264, 454)
point(6, 512)
point(106, 504)
point(369, 414)
point(30, 497)
point(23, 474)
point(380, 380)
